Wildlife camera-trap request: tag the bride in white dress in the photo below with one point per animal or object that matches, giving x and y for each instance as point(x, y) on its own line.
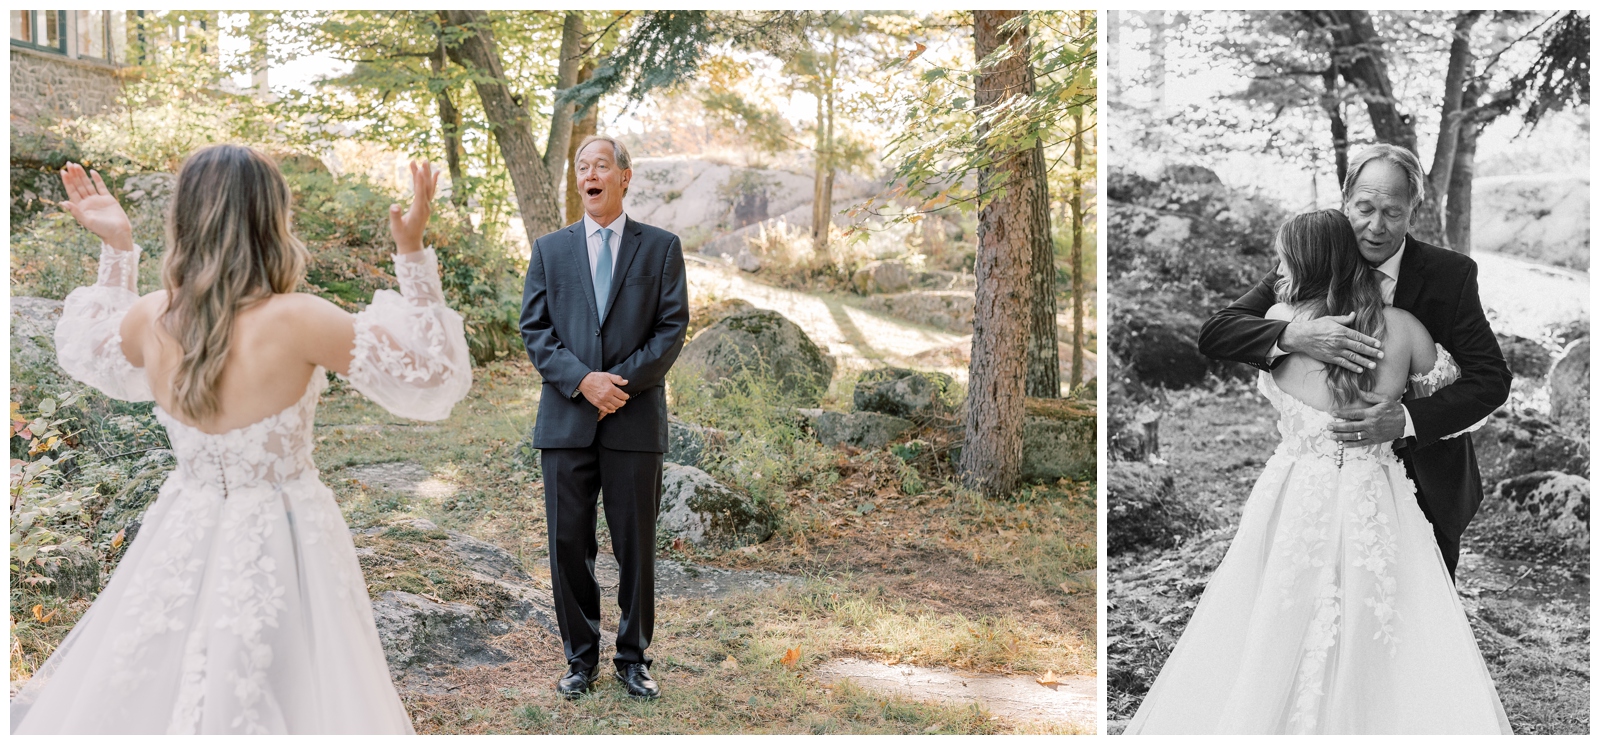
point(240, 606)
point(1332, 612)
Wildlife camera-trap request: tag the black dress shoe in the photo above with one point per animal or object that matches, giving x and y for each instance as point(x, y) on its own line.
point(636, 678)
point(576, 682)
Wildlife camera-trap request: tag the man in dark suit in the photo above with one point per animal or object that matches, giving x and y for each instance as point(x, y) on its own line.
point(1440, 287)
point(604, 311)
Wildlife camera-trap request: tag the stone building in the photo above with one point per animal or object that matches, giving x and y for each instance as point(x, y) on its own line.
point(64, 64)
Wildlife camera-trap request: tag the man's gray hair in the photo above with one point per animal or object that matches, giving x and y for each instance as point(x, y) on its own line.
point(623, 159)
point(1395, 155)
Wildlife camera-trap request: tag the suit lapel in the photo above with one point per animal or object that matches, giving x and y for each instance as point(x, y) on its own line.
point(1412, 268)
point(582, 275)
point(628, 248)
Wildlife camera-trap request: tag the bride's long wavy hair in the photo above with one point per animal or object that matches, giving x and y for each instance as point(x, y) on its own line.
point(1324, 273)
point(229, 247)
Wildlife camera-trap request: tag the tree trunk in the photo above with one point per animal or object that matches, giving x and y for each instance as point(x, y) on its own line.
point(833, 165)
point(1044, 357)
point(450, 127)
point(1077, 251)
point(1332, 106)
point(821, 188)
point(1428, 222)
point(991, 459)
point(1359, 52)
point(1458, 202)
point(555, 148)
point(585, 126)
point(513, 128)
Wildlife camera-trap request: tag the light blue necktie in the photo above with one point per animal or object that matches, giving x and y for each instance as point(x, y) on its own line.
point(602, 274)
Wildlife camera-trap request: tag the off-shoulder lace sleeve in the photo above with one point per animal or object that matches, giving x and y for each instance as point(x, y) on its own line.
point(1445, 371)
point(410, 353)
point(89, 335)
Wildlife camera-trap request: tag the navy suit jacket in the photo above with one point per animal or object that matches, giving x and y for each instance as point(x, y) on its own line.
point(640, 339)
point(1440, 288)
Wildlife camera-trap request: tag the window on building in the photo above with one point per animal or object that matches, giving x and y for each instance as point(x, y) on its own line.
point(102, 34)
point(40, 29)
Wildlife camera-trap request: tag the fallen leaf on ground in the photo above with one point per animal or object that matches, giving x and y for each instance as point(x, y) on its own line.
point(790, 657)
point(116, 540)
point(1049, 680)
point(729, 664)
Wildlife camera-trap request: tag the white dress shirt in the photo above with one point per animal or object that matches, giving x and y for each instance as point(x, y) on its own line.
point(591, 230)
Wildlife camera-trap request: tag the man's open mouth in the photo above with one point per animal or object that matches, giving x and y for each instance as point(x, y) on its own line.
point(594, 192)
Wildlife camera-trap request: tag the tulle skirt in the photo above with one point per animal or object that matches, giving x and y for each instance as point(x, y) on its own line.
point(244, 613)
point(1331, 613)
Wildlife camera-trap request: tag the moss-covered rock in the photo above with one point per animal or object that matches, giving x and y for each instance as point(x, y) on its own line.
point(765, 343)
point(1058, 440)
point(703, 512)
point(867, 430)
point(899, 392)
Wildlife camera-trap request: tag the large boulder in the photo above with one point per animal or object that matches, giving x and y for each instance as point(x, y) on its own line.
point(952, 310)
point(702, 315)
point(1143, 510)
point(867, 430)
point(1555, 506)
point(899, 392)
point(763, 343)
point(1158, 349)
point(1569, 389)
point(886, 275)
point(1515, 444)
point(703, 512)
point(74, 572)
point(685, 442)
point(33, 347)
point(1058, 440)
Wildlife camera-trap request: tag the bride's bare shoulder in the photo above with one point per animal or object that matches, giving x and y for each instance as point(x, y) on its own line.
point(1402, 327)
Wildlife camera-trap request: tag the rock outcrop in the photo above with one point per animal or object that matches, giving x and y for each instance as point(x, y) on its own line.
point(762, 343)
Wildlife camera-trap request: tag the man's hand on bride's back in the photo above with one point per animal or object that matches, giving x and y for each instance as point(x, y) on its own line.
point(1330, 340)
point(92, 205)
point(407, 226)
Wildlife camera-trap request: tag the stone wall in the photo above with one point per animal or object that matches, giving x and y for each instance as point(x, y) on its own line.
point(47, 86)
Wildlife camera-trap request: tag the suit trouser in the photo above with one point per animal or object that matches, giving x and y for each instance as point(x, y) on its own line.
point(631, 485)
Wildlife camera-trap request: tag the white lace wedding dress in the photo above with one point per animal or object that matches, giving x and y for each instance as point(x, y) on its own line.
point(1332, 612)
point(240, 606)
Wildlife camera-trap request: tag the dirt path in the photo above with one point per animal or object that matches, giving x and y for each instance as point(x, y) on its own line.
point(858, 338)
point(1073, 701)
point(1527, 298)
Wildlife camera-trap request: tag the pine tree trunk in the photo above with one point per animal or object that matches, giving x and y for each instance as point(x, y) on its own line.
point(991, 459)
point(513, 128)
point(1077, 250)
point(585, 126)
point(1044, 357)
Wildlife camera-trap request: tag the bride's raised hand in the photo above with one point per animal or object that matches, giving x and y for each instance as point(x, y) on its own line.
point(92, 205)
point(407, 226)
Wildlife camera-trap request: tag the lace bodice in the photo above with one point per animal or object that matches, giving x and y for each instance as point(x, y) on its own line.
point(1304, 430)
point(410, 356)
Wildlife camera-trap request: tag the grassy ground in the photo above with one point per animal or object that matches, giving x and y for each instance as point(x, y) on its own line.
point(933, 577)
point(1531, 620)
